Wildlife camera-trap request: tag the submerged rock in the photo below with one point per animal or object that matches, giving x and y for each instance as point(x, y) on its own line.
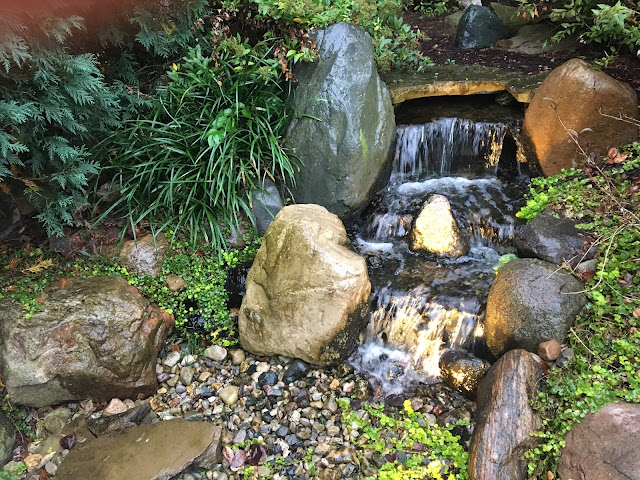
point(531, 301)
point(307, 292)
point(479, 27)
point(505, 419)
point(345, 129)
point(577, 96)
point(604, 445)
point(435, 230)
point(147, 452)
point(463, 371)
point(554, 240)
point(93, 337)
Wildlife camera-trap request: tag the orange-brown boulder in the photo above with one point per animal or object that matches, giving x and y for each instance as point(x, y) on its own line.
point(577, 96)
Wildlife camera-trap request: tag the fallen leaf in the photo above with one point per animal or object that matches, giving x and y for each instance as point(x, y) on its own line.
point(550, 475)
point(40, 300)
point(636, 313)
point(612, 152)
point(63, 283)
point(175, 348)
point(588, 275)
point(43, 475)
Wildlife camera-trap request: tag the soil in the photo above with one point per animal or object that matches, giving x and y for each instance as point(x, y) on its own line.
point(440, 47)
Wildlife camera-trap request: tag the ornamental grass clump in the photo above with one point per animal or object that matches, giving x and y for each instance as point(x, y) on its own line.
point(213, 137)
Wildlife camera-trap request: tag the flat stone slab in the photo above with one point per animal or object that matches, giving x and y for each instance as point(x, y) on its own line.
point(150, 452)
point(461, 80)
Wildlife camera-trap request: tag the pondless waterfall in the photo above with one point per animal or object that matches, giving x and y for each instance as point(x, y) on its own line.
point(423, 304)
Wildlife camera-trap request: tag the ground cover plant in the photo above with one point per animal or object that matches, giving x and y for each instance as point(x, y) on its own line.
point(606, 337)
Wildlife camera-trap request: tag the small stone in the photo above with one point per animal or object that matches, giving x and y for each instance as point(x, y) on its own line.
point(173, 380)
point(175, 283)
point(171, 359)
point(204, 376)
point(229, 395)
point(51, 468)
point(262, 367)
point(115, 407)
point(566, 355)
point(237, 356)
point(304, 433)
point(267, 378)
point(216, 353)
point(129, 403)
point(240, 436)
point(56, 420)
point(322, 449)
point(187, 374)
point(263, 471)
point(32, 461)
point(189, 360)
point(331, 405)
point(549, 350)
point(587, 266)
point(296, 370)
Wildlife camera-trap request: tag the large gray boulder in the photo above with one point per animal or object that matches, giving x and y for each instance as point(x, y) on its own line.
point(346, 125)
point(604, 445)
point(150, 452)
point(95, 337)
point(531, 301)
point(307, 292)
point(554, 240)
point(505, 419)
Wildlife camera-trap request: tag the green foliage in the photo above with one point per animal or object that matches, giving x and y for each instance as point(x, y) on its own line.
point(395, 43)
point(433, 8)
point(52, 103)
point(503, 260)
point(213, 136)
point(607, 24)
point(15, 474)
point(17, 416)
point(433, 451)
point(606, 337)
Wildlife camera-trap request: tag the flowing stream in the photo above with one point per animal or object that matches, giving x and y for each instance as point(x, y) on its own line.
point(422, 305)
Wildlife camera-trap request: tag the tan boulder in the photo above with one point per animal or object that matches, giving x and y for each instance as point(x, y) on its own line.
point(307, 292)
point(145, 254)
point(575, 94)
point(435, 230)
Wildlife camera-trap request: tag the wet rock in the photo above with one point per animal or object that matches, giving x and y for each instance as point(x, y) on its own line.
point(362, 390)
point(55, 421)
point(463, 371)
point(554, 240)
point(147, 452)
point(435, 230)
point(267, 378)
point(604, 445)
point(139, 415)
point(229, 395)
point(511, 17)
point(146, 254)
point(101, 338)
point(265, 205)
point(578, 95)
point(7, 438)
point(346, 127)
point(549, 350)
point(499, 440)
point(530, 302)
point(479, 27)
point(115, 407)
point(296, 370)
point(285, 310)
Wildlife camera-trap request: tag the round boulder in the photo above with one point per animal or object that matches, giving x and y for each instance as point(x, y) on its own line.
point(576, 95)
point(435, 230)
point(95, 337)
point(604, 445)
point(307, 292)
point(479, 27)
point(530, 301)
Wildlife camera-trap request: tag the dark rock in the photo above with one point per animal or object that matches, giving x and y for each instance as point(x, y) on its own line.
point(362, 390)
point(267, 378)
point(296, 370)
point(147, 452)
point(345, 153)
point(302, 399)
point(140, 415)
point(69, 441)
point(235, 284)
point(479, 27)
point(265, 205)
point(505, 419)
point(462, 371)
point(554, 240)
point(7, 438)
point(101, 339)
point(530, 301)
point(257, 454)
point(604, 445)
point(577, 95)
point(394, 400)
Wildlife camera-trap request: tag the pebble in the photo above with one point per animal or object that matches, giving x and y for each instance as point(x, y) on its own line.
point(216, 353)
point(237, 356)
point(296, 370)
point(171, 359)
point(187, 374)
point(32, 461)
point(267, 378)
point(115, 407)
point(229, 395)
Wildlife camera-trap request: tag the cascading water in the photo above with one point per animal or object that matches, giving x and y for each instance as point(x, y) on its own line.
point(422, 305)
